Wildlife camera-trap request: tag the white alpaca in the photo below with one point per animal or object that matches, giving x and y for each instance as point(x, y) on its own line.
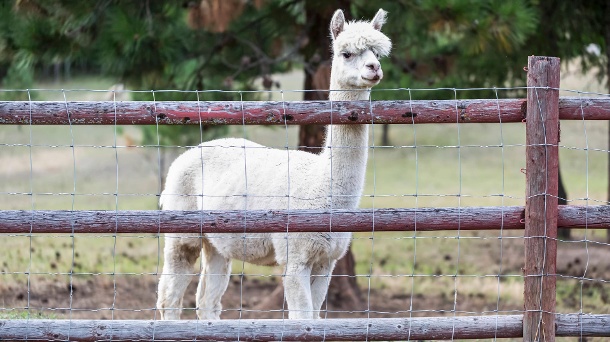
point(240, 174)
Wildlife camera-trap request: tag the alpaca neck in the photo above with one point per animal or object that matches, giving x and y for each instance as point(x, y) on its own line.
point(346, 151)
point(355, 136)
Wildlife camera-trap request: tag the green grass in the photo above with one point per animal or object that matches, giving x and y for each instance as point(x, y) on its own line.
point(24, 314)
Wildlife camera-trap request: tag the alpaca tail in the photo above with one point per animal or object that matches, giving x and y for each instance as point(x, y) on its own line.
point(179, 192)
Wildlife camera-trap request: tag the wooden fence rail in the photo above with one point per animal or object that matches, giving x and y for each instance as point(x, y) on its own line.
point(260, 221)
point(288, 113)
point(375, 329)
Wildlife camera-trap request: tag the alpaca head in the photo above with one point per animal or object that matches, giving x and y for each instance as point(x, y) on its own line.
point(357, 47)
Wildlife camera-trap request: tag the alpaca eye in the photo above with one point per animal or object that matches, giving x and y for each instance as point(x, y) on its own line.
point(346, 55)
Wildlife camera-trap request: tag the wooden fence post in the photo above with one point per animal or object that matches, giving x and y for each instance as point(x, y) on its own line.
point(542, 163)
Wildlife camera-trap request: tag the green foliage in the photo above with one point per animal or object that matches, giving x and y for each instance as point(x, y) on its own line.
point(457, 44)
point(146, 45)
point(21, 78)
point(568, 27)
point(141, 46)
point(21, 314)
point(437, 44)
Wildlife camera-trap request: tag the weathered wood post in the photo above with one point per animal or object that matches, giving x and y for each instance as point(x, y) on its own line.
point(542, 139)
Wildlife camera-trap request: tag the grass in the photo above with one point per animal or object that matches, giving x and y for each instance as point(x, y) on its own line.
point(23, 314)
point(423, 168)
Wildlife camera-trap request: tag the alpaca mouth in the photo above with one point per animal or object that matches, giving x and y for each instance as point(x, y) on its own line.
point(374, 79)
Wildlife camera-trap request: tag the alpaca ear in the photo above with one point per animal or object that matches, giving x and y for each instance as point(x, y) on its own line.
point(337, 23)
point(379, 19)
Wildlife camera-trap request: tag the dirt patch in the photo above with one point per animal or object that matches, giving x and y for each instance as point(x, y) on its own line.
point(582, 284)
point(134, 297)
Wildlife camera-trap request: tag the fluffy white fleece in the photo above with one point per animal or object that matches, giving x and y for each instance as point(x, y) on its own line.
point(240, 174)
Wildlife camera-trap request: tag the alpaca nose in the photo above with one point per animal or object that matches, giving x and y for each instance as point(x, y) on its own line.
point(373, 66)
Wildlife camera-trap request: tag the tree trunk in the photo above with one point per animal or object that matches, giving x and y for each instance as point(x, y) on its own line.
point(344, 292)
point(56, 72)
point(562, 199)
point(385, 135)
point(311, 137)
point(547, 12)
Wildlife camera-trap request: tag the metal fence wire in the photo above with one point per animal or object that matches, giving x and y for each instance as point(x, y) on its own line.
point(456, 236)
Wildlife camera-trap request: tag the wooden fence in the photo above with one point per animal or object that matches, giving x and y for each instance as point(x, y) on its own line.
point(539, 218)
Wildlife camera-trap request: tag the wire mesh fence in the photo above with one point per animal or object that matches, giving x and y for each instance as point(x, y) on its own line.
point(439, 246)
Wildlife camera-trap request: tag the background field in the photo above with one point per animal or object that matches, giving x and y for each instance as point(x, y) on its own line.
point(422, 273)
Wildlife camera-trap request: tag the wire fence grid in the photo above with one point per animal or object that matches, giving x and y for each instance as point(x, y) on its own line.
point(440, 246)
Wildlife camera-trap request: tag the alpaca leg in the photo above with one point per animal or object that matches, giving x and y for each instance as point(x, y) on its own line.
point(212, 284)
point(298, 291)
point(319, 285)
point(180, 255)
